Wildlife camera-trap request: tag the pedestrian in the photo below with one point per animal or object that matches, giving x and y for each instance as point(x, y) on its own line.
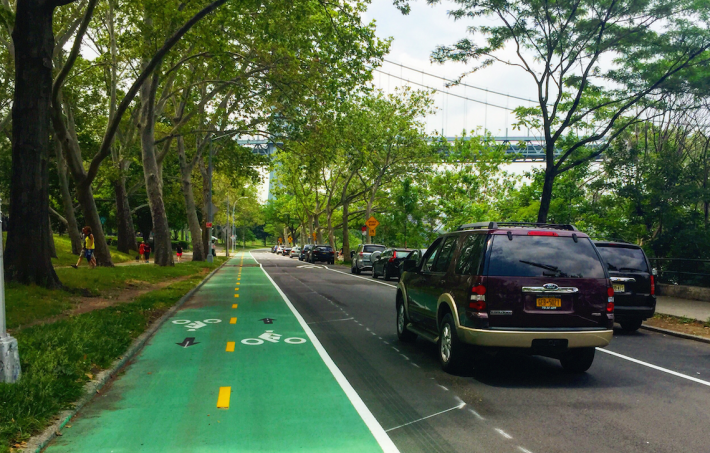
point(141, 251)
point(214, 248)
point(178, 252)
point(147, 252)
point(87, 248)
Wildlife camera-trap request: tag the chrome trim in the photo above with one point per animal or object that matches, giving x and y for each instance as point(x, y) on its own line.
point(502, 312)
point(622, 280)
point(542, 289)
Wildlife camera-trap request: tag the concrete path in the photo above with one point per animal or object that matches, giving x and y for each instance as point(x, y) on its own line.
point(675, 306)
point(236, 370)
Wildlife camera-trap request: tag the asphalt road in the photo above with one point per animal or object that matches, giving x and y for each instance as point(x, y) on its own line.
point(646, 392)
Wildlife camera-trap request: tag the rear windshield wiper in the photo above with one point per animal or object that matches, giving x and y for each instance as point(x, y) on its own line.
point(555, 269)
point(632, 269)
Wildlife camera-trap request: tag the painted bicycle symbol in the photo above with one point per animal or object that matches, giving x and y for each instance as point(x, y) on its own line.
point(272, 337)
point(194, 325)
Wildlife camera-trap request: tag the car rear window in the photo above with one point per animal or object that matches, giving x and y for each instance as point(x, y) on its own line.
point(544, 256)
point(373, 248)
point(325, 248)
point(624, 259)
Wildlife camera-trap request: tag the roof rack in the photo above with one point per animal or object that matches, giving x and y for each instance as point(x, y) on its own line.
point(496, 225)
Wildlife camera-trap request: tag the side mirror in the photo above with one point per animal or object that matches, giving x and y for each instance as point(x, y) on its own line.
point(375, 256)
point(352, 253)
point(409, 266)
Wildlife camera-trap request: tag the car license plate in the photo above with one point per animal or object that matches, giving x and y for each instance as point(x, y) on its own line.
point(549, 303)
point(619, 288)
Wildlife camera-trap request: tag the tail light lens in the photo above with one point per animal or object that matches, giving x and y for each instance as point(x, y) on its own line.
point(610, 307)
point(361, 254)
point(653, 285)
point(610, 299)
point(542, 233)
point(479, 289)
point(394, 256)
point(478, 294)
point(477, 305)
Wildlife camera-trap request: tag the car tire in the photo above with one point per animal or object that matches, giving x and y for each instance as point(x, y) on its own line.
point(403, 333)
point(374, 274)
point(578, 360)
point(352, 270)
point(451, 350)
point(631, 325)
point(357, 270)
point(385, 275)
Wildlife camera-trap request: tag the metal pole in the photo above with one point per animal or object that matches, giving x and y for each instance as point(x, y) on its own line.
point(9, 353)
point(210, 258)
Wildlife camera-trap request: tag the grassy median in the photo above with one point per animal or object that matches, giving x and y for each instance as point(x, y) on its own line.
point(60, 356)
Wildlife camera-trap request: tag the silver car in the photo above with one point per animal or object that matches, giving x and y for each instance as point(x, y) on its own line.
point(362, 259)
point(295, 252)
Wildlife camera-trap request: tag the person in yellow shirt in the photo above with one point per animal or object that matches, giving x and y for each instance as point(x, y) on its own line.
point(87, 248)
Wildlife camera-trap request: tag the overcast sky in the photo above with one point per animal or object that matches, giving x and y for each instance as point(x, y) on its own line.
point(415, 37)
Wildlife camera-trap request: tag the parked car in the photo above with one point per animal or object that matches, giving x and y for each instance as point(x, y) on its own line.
point(414, 255)
point(295, 252)
point(286, 250)
point(322, 253)
point(361, 257)
point(388, 262)
point(633, 281)
point(279, 250)
point(303, 256)
point(538, 288)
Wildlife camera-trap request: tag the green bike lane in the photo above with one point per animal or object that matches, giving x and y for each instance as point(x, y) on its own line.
point(237, 343)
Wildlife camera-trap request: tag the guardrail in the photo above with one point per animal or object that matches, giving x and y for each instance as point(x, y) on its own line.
point(682, 271)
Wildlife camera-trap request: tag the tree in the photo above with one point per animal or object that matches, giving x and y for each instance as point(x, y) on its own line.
point(597, 66)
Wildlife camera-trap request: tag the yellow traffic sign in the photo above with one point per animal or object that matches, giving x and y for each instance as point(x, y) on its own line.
point(290, 239)
point(372, 222)
point(314, 235)
point(372, 231)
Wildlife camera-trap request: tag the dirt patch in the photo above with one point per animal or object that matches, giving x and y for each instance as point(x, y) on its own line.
point(678, 324)
point(133, 290)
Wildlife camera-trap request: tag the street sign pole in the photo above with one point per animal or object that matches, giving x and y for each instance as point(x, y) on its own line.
point(9, 354)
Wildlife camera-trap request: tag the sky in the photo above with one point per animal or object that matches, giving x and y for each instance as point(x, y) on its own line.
point(415, 36)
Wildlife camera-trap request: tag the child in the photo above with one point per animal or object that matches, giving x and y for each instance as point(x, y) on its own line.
point(87, 250)
point(178, 251)
point(141, 251)
point(147, 252)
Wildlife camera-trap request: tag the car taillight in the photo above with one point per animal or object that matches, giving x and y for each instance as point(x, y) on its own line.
point(478, 295)
point(361, 254)
point(394, 255)
point(478, 305)
point(479, 289)
point(542, 233)
point(610, 306)
point(653, 285)
point(610, 298)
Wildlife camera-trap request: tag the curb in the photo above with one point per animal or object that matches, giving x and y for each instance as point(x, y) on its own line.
point(686, 336)
point(37, 443)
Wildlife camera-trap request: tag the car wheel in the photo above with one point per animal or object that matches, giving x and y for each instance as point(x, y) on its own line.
point(403, 333)
point(352, 270)
point(451, 350)
point(357, 270)
point(631, 325)
point(578, 360)
point(386, 275)
point(374, 274)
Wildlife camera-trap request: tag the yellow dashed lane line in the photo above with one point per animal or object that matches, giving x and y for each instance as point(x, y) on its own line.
point(223, 399)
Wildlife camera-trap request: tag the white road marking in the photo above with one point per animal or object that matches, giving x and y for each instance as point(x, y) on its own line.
point(523, 450)
point(443, 387)
point(376, 429)
point(381, 338)
point(460, 406)
point(415, 364)
point(655, 367)
point(385, 342)
point(395, 349)
point(332, 320)
point(364, 278)
point(405, 357)
point(478, 416)
point(503, 433)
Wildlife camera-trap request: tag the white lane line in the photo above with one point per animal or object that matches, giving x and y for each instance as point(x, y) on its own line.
point(332, 320)
point(443, 387)
point(655, 367)
point(376, 429)
point(364, 278)
point(428, 416)
point(415, 364)
point(523, 450)
point(503, 433)
point(405, 357)
point(395, 349)
point(478, 416)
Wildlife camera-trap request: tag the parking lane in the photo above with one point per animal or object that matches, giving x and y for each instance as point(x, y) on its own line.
point(617, 406)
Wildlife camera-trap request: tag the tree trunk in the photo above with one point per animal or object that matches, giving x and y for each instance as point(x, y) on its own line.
point(68, 202)
point(546, 194)
point(198, 250)
point(126, 230)
point(27, 259)
point(316, 224)
point(346, 231)
point(206, 240)
point(50, 237)
point(331, 235)
point(91, 217)
point(162, 247)
point(368, 214)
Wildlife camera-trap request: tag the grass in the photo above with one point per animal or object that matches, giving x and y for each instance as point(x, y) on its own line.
point(65, 258)
point(59, 358)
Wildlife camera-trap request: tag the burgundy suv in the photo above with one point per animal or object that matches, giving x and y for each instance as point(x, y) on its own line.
point(535, 287)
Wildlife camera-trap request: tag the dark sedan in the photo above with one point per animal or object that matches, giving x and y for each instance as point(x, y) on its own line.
point(323, 253)
point(388, 263)
point(303, 256)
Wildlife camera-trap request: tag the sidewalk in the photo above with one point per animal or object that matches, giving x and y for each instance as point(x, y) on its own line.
point(675, 306)
point(234, 370)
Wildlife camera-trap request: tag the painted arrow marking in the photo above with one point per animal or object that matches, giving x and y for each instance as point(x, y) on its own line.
point(187, 342)
point(267, 320)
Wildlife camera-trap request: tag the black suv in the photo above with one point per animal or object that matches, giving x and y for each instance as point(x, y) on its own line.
point(303, 256)
point(323, 253)
point(633, 281)
point(538, 288)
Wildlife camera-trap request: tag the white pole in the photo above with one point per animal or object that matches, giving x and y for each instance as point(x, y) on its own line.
point(9, 354)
